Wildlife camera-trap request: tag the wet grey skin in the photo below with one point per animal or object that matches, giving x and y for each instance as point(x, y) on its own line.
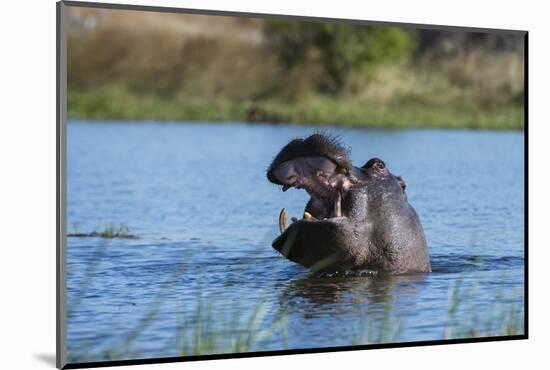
point(356, 218)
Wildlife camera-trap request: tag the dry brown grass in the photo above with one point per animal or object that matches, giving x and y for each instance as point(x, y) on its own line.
point(182, 66)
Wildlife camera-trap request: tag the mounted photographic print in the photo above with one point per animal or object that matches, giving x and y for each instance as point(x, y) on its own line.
point(235, 184)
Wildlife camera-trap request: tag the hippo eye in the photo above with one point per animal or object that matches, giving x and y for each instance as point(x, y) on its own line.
point(374, 162)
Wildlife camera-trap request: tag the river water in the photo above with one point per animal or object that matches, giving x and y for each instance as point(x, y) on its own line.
point(202, 277)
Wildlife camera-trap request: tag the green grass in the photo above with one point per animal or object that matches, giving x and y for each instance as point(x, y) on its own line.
point(109, 232)
point(118, 103)
point(248, 329)
point(209, 325)
point(342, 112)
point(163, 73)
point(113, 102)
point(509, 321)
point(122, 231)
point(210, 329)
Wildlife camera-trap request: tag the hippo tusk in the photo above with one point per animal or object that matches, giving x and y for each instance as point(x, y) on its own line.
point(338, 205)
point(283, 221)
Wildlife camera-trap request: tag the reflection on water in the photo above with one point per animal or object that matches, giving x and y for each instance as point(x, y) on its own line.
point(203, 278)
point(323, 291)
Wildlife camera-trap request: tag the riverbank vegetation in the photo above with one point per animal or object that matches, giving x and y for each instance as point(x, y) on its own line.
point(132, 65)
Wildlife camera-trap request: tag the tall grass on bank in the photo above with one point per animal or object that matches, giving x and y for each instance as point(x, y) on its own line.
point(160, 73)
point(118, 103)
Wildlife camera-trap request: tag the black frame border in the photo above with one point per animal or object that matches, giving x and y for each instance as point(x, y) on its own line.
point(61, 87)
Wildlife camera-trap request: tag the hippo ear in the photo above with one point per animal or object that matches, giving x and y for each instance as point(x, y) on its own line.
point(371, 162)
point(401, 182)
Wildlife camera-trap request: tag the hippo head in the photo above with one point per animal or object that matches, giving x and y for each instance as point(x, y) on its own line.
point(356, 217)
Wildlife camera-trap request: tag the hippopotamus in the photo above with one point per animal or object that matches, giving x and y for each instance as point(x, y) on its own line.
point(356, 217)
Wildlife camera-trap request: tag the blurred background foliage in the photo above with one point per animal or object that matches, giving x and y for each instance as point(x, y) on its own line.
point(338, 49)
point(126, 64)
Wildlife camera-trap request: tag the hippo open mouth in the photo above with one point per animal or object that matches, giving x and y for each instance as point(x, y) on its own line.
point(320, 166)
point(356, 217)
point(327, 185)
point(321, 178)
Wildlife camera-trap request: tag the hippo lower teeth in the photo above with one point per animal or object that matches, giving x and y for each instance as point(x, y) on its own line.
point(338, 205)
point(283, 221)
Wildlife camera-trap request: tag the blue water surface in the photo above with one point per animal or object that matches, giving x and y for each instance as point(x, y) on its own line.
point(203, 270)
